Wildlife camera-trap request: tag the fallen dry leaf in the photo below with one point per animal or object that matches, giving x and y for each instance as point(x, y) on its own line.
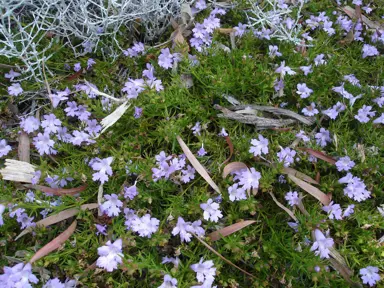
point(196, 164)
point(55, 243)
point(315, 192)
point(352, 14)
point(17, 171)
point(289, 212)
point(58, 217)
point(319, 154)
point(221, 256)
point(302, 176)
point(232, 167)
point(57, 191)
point(113, 117)
point(216, 235)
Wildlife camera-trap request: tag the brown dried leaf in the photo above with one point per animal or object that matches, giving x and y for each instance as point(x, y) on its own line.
point(55, 243)
point(57, 191)
point(315, 192)
point(24, 147)
point(225, 30)
point(58, 217)
point(290, 213)
point(352, 14)
point(196, 164)
point(302, 176)
point(216, 235)
point(230, 145)
point(232, 167)
point(221, 256)
point(320, 155)
point(349, 38)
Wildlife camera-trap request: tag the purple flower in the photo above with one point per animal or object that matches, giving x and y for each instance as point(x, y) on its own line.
point(380, 100)
point(59, 96)
point(211, 23)
point(18, 276)
point(282, 69)
point(71, 109)
point(36, 178)
point(240, 30)
point(279, 84)
point(196, 129)
point(205, 271)
point(334, 111)
point(4, 148)
point(236, 193)
point(293, 198)
point(103, 166)
point(201, 151)
point(111, 207)
point(169, 282)
point(79, 137)
point(93, 127)
point(188, 174)
point(30, 124)
point(286, 155)
point(149, 72)
point(137, 49)
point(11, 75)
point(25, 221)
point(306, 69)
point(344, 164)
point(82, 113)
point(370, 275)
point(379, 120)
point(56, 283)
point(183, 228)
point(50, 123)
point(2, 209)
point(133, 88)
point(323, 137)
point(319, 60)
point(211, 211)
point(301, 135)
point(165, 59)
point(352, 79)
point(303, 90)
point(273, 51)
point(44, 144)
point(223, 133)
point(364, 114)
point(77, 67)
point(145, 225)
point(200, 5)
point(130, 192)
point(15, 89)
point(322, 244)
point(259, 146)
point(90, 63)
point(110, 255)
point(249, 178)
point(369, 51)
point(355, 189)
point(349, 210)
point(334, 211)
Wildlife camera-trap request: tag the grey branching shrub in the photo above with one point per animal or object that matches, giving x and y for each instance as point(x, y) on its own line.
point(273, 16)
point(85, 25)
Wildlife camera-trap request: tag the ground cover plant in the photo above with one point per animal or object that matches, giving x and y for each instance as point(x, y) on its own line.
point(240, 148)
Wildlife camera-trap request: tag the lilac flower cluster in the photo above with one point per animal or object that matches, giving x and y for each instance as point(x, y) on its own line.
point(259, 147)
point(205, 272)
point(202, 33)
point(4, 148)
point(22, 218)
point(103, 168)
point(110, 255)
point(244, 179)
point(136, 50)
point(211, 211)
point(355, 189)
point(321, 21)
point(334, 111)
point(166, 58)
point(321, 244)
point(19, 275)
point(184, 229)
point(167, 166)
point(286, 156)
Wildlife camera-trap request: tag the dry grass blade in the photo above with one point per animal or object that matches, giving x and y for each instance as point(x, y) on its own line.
point(97, 92)
point(222, 257)
point(55, 243)
point(24, 147)
point(17, 171)
point(320, 155)
point(317, 193)
point(230, 145)
point(57, 191)
point(100, 199)
point(344, 271)
point(232, 167)
point(230, 229)
point(113, 117)
point(289, 212)
point(58, 217)
point(302, 176)
point(196, 164)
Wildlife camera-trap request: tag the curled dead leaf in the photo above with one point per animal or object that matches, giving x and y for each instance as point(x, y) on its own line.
point(320, 155)
point(57, 191)
point(232, 167)
point(216, 235)
point(230, 145)
point(289, 212)
point(55, 243)
point(315, 192)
